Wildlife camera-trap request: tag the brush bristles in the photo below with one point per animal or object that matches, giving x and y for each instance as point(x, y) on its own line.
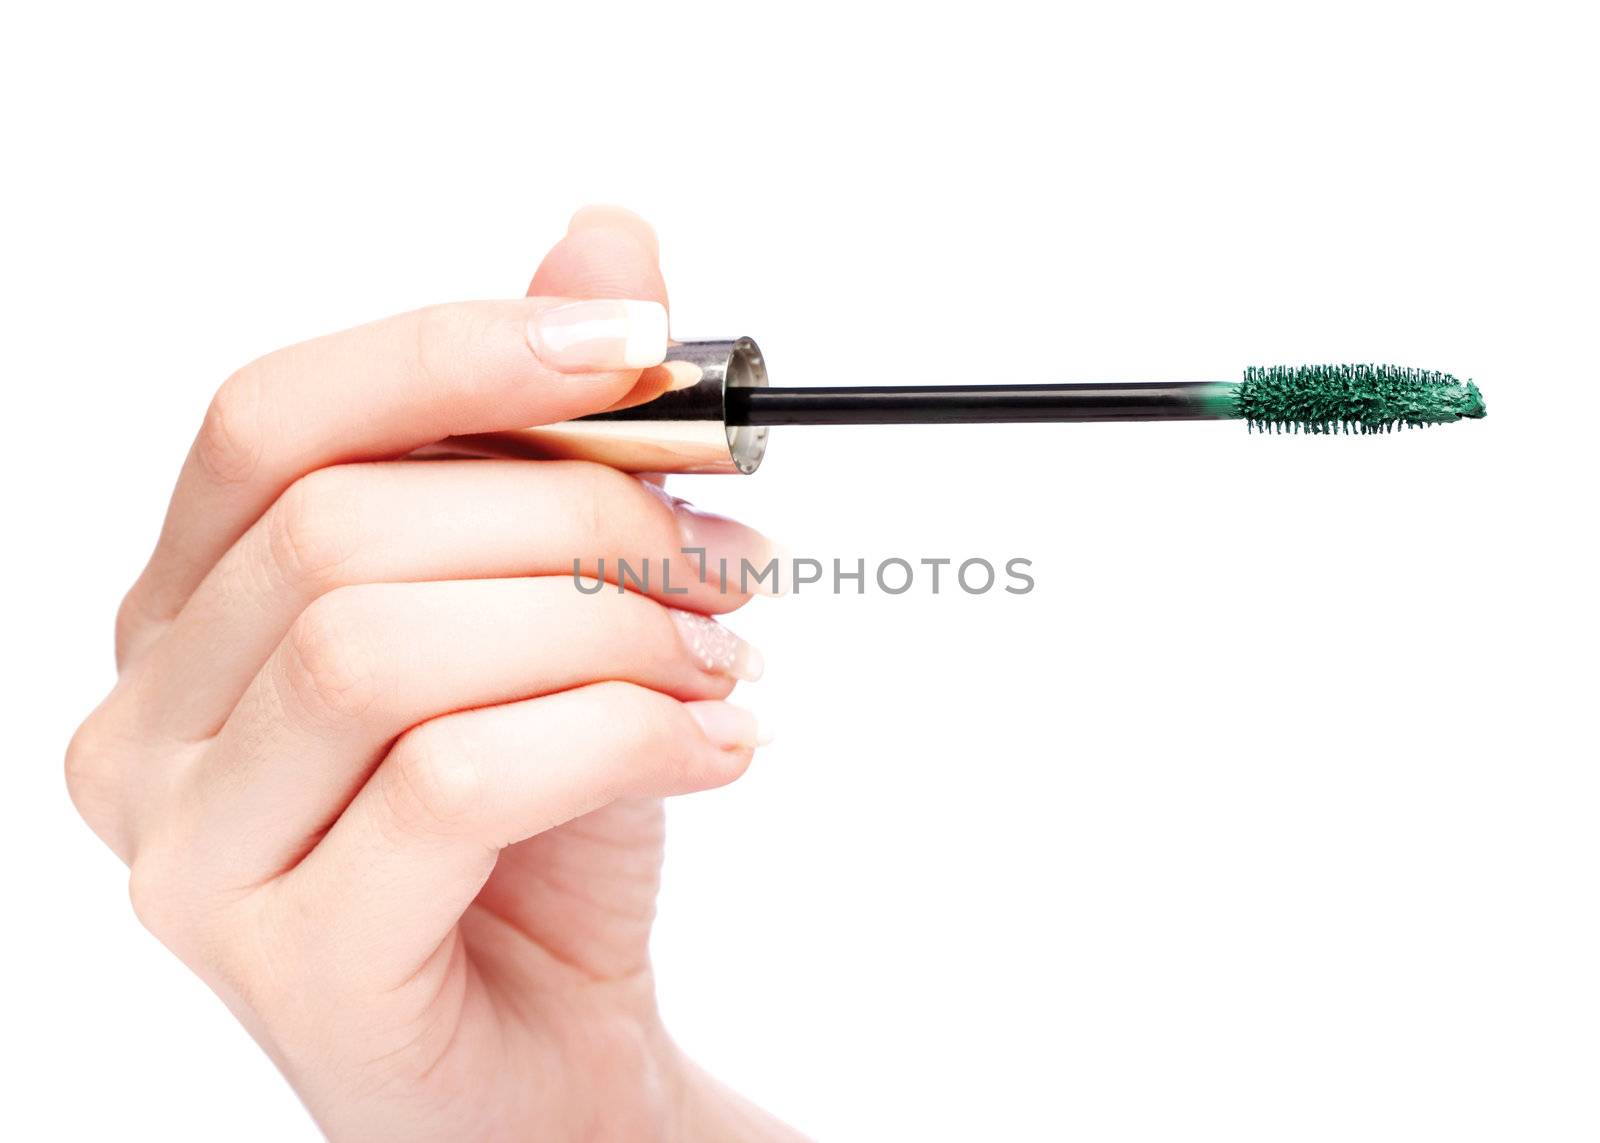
point(1352, 398)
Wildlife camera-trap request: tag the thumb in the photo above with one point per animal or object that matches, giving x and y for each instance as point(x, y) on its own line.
point(609, 252)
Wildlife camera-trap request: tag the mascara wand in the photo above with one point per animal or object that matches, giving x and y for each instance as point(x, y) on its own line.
point(717, 415)
point(1301, 398)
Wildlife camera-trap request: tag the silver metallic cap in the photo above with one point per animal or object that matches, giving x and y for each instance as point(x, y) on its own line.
point(682, 430)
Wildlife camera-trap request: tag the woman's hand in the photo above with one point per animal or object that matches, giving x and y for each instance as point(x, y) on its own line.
point(384, 777)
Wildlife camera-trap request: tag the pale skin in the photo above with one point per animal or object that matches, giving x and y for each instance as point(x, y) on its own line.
point(382, 776)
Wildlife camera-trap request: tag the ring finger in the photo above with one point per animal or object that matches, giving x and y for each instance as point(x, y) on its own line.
point(413, 521)
point(364, 664)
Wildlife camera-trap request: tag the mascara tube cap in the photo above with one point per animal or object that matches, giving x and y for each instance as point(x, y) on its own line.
point(682, 430)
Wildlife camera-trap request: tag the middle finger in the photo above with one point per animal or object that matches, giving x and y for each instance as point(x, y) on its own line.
point(411, 521)
point(364, 664)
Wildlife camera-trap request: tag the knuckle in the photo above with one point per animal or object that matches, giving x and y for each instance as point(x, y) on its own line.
point(613, 497)
point(605, 508)
point(645, 723)
point(330, 663)
point(166, 902)
point(662, 742)
point(449, 337)
point(133, 619)
point(150, 892)
point(594, 520)
point(599, 499)
point(623, 699)
point(615, 485)
point(312, 529)
point(434, 781)
point(89, 764)
point(229, 444)
point(142, 614)
point(606, 482)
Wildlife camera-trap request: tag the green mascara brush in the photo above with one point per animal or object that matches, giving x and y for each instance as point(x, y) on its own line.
point(1301, 398)
point(717, 415)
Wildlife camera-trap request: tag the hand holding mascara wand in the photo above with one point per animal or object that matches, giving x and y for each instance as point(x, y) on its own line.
point(718, 420)
point(377, 703)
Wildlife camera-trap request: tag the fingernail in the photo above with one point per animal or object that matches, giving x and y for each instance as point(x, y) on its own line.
point(726, 553)
point(784, 558)
point(737, 557)
point(717, 649)
point(607, 333)
point(727, 726)
point(684, 374)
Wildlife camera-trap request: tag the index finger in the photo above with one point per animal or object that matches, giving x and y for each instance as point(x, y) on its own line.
point(384, 389)
point(381, 390)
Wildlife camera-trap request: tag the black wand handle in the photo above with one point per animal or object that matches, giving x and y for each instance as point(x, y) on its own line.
point(973, 404)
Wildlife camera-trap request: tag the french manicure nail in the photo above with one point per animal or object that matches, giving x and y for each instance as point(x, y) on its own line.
point(606, 333)
point(716, 649)
point(737, 557)
point(725, 553)
point(727, 726)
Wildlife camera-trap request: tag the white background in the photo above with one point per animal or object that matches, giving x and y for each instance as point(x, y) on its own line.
point(1271, 814)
